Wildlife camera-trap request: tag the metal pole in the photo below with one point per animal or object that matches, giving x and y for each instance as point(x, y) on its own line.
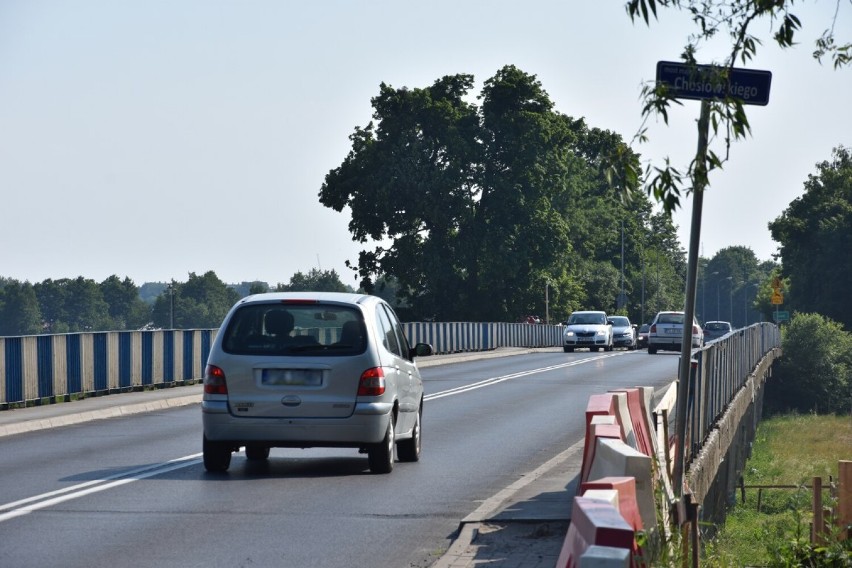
point(547, 303)
point(731, 299)
point(171, 305)
point(643, 288)
point(699, 180)
point(621, 299)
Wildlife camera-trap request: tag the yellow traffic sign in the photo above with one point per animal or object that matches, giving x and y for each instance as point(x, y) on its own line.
point(777, 298)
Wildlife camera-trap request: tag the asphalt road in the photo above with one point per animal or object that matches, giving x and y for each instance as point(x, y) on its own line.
point(132, 491)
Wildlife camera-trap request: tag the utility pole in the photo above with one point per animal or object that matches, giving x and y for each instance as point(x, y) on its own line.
point(685, 363)
point(172, 305)
point(730, 279)
point(622, 301)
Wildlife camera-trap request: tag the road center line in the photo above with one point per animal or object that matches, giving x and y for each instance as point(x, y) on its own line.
point(496, 380)
point(20, 508)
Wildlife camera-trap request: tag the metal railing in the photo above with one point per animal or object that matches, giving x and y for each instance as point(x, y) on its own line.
point(720, 370)
point(48, 368)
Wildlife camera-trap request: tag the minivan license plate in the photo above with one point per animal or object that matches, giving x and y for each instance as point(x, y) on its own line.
point(292, 377)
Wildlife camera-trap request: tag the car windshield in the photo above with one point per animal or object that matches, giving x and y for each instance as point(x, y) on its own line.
point(304, 329)
point(619, 321)
point(718, 326)
point(587, 319)
point(671, 318)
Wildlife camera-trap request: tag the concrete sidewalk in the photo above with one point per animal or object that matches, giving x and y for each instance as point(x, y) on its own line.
point(524, 525)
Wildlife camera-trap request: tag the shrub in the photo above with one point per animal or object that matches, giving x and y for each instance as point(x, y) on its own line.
point(814, 373)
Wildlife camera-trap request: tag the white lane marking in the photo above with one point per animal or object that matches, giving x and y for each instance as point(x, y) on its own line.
point(44, 500)
point(21, 507)
point(495, 380)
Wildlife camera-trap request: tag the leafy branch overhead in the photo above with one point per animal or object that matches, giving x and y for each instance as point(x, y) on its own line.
point(736, 18)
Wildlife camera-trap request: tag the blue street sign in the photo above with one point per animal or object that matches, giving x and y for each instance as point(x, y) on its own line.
point(700, 82)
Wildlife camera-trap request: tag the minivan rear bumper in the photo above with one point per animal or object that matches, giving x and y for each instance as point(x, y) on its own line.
point(367, 425)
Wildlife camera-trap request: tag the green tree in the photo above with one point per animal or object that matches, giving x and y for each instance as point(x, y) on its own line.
point(199, 303)
point(72, 305)
point(411, 179)
point(732, 281)
point(315, 280)
point(479, 211)
point(85, 306)
point(51, 297)
point(814, 374)
point(815, 233)
point(126, 308)
point(19, 312)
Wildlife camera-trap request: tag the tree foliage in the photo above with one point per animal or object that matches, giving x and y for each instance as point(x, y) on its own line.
point(125, 307)
point(199, 303)
point(815, 233)
point(72, 305)
point(315, 280)
point(19, 311)
point(731, 287)
point(737, 19)
point(814, 374)
point(478, 210)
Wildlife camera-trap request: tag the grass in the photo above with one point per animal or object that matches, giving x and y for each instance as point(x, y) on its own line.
point(788, 450)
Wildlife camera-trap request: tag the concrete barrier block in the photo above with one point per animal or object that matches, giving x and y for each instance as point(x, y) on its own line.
point(614, 458)
point(593, 522)
point(611, 430)
point(605, 557)
point(605, 494)
point(622, 414)
point(625, 488)
point(641, 427)
point(598, 405)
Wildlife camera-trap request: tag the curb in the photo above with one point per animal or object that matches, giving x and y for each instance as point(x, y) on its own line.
point(100, 414)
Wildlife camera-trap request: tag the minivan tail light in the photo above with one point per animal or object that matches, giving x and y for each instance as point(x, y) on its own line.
point(653, 329)
point(214, 380)
point(696, 330)
point(372, 382)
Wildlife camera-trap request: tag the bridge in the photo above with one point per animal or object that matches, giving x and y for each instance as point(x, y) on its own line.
point(724, 397)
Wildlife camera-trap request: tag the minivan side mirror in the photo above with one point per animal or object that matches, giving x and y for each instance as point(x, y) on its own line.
point(420, 350)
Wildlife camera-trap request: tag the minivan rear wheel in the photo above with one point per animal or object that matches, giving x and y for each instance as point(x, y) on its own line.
point(380, 456)
point(217, 455)
point(409, 450)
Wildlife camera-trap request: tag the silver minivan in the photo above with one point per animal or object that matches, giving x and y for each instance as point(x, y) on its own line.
point(312, 369)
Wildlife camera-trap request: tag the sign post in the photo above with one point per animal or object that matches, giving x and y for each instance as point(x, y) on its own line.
point(704, 83)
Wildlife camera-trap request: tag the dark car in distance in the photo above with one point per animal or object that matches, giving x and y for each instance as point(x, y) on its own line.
point(642, 336)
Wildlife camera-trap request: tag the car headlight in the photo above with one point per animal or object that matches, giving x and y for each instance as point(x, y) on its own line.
point(569, 334)
point(601, 332)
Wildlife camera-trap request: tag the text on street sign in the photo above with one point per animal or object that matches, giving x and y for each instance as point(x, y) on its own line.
point(750, 86)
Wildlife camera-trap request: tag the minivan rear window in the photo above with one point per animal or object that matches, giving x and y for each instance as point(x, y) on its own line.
point(295, 329)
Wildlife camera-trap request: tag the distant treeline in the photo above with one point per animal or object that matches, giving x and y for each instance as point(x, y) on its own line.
point(71, 305)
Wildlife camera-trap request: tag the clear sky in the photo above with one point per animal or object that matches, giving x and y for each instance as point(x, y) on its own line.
point(154, 138)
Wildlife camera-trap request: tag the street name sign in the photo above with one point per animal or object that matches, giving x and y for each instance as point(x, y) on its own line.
point(700, 82)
